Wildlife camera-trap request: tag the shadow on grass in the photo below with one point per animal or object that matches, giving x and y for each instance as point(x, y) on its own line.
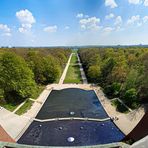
point(119, 106)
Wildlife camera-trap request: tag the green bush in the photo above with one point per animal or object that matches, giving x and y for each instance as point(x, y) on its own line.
point(130, 98)
point(113, 90)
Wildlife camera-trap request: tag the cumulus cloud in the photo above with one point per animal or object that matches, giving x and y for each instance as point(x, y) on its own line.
point(51, 29)
point(111, 3)
point(91, 23)
point(26, 19)
point(145, 19)
point(146, 3)
point(118, 20)
point(107, 30)
point(66, 27)
point(110, 16)
point(5, 30)
point(7, 34)
point(135, 2)
point(80, 15)
point(133, 20)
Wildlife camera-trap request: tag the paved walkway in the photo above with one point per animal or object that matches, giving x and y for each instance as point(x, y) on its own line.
point(125, 122)
point(73, 118)
point(19, 106)
point(16, 125)
point(4, 136)
point(12, 123)
point(65, 71)
point(84, 79)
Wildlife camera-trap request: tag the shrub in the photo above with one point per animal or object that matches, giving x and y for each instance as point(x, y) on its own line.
point(130, 98)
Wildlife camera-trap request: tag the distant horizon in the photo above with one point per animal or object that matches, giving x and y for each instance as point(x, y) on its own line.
point(145, 45)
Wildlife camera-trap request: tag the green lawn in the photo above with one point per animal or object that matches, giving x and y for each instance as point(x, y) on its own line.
point(74, 59)
point(13, 106)
point(40, 88)
point(8, 106)
point(119, 106)
point(74, 51)
point(73, 75)
point(25, 107)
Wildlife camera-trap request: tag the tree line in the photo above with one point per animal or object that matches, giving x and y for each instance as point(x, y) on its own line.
point(121, 72)
point(23, 69)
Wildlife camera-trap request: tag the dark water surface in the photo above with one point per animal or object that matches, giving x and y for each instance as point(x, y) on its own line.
point(61, 102)
point(55, 133)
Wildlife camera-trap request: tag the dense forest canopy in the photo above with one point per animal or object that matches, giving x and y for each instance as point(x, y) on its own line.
point(22, 69)
point(122, 72)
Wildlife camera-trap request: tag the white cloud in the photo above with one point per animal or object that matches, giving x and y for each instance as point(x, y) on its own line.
point(118, 20)
point(133, 20)
point(7, 34)
point(86, 16)
point(111, 3)
point(80, 15)
point(107, 30)
point(26, 19)
point(91, 23)
point(4, 28)
point(110, 16)
point(145, 19)
point(135, 2)
point(146, 3)
point(51, 29)
point(66, 27)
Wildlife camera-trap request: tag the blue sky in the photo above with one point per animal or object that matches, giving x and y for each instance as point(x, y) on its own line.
point(73, 22)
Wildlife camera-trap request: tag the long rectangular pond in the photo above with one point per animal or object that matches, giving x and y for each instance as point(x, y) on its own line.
point(82, 102)
point(71, 103)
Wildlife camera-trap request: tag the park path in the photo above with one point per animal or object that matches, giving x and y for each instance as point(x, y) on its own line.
point(83, 76)
point(65, 70)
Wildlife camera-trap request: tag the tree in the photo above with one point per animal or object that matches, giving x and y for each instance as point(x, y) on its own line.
point(51, 69)
point(35, 62)
point(113, 90)
point(16, 79)
point(94, 73)
point(130, 98)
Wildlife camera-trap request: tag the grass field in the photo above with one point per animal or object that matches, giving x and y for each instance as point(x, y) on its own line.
point(8, 106)
point(119, 106)
point(73, 74)
point(13, 106)
point(25, 107)
point(74, 59)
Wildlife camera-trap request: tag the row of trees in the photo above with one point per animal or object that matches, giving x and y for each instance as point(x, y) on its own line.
point(21, 70)
point(122, 72)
